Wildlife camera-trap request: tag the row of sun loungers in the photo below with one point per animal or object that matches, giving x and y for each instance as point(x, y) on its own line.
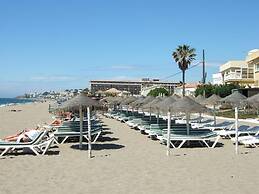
point(158, 130)
point(202, 130)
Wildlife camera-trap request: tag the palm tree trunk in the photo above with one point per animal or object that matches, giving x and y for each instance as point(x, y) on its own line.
point(183, 82)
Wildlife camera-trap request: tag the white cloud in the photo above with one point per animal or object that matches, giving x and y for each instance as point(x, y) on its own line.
point(123, 78)
point(53, 78)
point(123, 67)
point(213, 63)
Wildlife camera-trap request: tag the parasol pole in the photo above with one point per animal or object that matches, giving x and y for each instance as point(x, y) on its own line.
point(214, 114)
point(89, 133)
point(236, 126)
point(168, 132)
point(81, 126)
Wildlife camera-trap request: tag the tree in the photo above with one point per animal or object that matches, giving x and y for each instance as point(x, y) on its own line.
point(183, 56)
point(158, 91)
point(221, 90)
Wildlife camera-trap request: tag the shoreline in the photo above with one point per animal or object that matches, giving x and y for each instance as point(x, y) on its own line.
point(15, 118)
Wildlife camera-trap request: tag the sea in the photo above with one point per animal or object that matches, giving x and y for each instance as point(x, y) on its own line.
point(13, 101)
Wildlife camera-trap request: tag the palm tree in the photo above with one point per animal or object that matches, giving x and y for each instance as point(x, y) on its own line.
point(183, 56)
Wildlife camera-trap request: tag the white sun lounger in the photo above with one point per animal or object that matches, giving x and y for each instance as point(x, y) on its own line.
point(254, 130)
point(199, 138)
point(242, 131)
point(38, 145)
point(220, 126)
point(250, 142)
point(68, 134)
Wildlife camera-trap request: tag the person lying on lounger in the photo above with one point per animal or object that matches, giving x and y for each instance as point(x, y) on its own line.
point(26, 135)
point(56, 122)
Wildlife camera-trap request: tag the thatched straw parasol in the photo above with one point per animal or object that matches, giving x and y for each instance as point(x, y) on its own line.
point(152, 105)
point(81, 102)
point(145, 101)
point(128, 100)
point(136, 102)
point(236, 99)
point(112, 91)
point(213, 100)
point(253, 101)
point(185, 105)
point(165, 103)
point(199, 98)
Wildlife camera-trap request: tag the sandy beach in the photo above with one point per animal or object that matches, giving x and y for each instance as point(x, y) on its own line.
point(124, 161)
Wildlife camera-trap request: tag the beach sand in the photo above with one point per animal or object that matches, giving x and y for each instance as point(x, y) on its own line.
point(124, 161)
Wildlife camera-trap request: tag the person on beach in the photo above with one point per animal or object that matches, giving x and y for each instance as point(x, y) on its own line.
point(26, 135)
point(68, 117)
point(56, 122)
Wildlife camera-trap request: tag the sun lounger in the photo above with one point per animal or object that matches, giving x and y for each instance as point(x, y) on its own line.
point(252, 130)
point(202, 124)
point(251, 142)
point(242, 131)
point(226, 125)
point(156, 130)
point(133, 122)
point(66, 133)
point(39, 145)
point(181, 139)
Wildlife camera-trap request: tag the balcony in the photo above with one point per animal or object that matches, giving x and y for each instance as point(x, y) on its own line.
point(232, 76)
point(238, 77)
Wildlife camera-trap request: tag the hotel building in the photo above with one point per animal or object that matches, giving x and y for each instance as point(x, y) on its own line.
point(244, 72)
point(134, 87)
point(252, 60)
point(237, 72)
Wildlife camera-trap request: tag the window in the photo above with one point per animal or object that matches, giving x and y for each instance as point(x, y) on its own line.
point(256, 67)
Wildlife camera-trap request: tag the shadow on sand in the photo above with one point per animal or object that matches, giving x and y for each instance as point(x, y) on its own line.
point(98, 147)
point(107, 139)
point(199, 145)
point(28, 153)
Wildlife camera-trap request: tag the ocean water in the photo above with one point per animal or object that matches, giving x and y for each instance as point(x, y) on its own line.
point(12, 101)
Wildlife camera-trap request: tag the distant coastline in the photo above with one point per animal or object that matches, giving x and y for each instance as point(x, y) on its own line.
point(14, 101)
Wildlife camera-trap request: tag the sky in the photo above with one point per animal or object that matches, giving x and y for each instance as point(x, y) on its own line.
point(62, 44)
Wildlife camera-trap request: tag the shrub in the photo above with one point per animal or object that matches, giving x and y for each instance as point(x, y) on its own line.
point(158, 91)
point(221, 90)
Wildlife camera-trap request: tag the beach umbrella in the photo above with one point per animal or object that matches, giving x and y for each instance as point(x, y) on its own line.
point(112, 91)
point(145, 101)
point(81, 102)
point(137, 101)
point(213, 100)
point(253, 101)
point(236, 100)
point(199, 98)
point(112, 101)
point(128, 100)
point(152, 105)
point(100, 92)
point(185, 105)
point(165, 103)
